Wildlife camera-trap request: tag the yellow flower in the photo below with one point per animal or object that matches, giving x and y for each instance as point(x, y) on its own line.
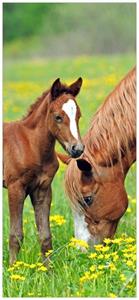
point(10, 269)
point(107, 241)
point(18, 263)
point(26, 265)
point(92, 268)
point(42, 268)
point(122, 277)
point(114, 253)
point(85, 277)
point(112, 295)
point(30, 294)
point(17, 277)
point(133, 201)
point(32, 266)
point(115, 257)
point(133, 257)
point(93, 276)
point(25, 221)
point(107, 255)
point(117, 241)
point(129, 240)
point(105, 249)
point(101, 267)
point(78, 243)
point(129, 263)
point(39, 264)
point(112, 267)
point(98, 247)
point(59, 220)
point(129, 249)
point(92, 255)
point(48, 252)
point(100, 256)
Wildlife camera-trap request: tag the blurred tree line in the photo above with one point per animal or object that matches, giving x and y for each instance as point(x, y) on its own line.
point(72, 28)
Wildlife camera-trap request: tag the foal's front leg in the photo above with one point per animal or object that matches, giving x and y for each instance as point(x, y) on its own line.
point(41, 200)
point(16, 200)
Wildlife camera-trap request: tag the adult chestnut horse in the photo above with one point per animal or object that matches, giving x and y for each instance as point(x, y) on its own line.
point(30, 162)
point(95, 182)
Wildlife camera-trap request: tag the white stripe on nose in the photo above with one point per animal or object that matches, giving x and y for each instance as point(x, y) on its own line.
point(70, 109)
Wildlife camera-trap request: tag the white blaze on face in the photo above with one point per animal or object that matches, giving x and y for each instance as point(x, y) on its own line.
point(70, 109)
point(80, 227)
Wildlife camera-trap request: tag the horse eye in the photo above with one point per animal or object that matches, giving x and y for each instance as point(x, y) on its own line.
point(58, 119)
point(88, 200)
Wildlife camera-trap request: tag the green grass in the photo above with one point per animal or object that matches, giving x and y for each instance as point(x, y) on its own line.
point(23, 82)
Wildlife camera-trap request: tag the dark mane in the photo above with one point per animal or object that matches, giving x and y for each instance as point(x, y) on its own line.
point(36, 104)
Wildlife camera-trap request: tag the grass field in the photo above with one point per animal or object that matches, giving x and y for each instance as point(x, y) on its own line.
point(105, 271)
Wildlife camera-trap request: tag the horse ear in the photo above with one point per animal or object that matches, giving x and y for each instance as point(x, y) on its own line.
point(84, 166)
point(55, 89)
point(75, 87)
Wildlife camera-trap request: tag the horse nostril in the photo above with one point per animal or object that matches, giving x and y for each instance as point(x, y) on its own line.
point(73, 148)
point(77, 150)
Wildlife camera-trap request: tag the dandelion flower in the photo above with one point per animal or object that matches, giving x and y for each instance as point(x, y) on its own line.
point(17, 277)
point(112, 295)
point(58, 220)
point(98, 247)
point(10, 269)
point(100, 256)
point(107, 241)
point(101, 267)
point(122, 277)
point(48, 252)
point(78, 243)
point(32, 266)
point(107, 255)
point(112, 267)
point(129, 263)
point(117, 241)
point(92, 268)
point(105, 249)
point(129, 240)
point(115, 257)
point(42, 268)
point(92, 255)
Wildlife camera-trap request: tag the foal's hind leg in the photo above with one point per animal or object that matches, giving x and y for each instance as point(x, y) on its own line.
point(16, 201)
point(41, 200)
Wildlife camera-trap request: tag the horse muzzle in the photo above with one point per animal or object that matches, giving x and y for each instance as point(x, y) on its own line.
point(76, 150)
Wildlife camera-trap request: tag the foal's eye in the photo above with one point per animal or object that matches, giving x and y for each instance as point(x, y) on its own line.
point(58, 119)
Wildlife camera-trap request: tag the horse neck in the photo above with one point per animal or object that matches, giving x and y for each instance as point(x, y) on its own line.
point(37, 124)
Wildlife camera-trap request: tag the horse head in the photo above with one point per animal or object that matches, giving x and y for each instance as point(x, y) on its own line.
point(64, 115)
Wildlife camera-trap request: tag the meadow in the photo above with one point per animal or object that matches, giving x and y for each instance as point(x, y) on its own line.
point(105, 271)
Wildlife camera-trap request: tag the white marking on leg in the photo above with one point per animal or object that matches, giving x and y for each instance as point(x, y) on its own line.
point(70, 109)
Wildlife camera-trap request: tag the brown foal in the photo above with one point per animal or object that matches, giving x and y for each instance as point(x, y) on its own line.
point(95, 182)
point(30, 161)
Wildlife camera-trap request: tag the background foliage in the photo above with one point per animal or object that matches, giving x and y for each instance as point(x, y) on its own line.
point(69, 29)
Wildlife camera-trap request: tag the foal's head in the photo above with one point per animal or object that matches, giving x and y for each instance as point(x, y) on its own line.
point(64, 114)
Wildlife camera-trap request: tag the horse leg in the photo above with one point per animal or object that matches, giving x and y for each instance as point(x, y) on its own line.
point(41, 200)
point(16, 201)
